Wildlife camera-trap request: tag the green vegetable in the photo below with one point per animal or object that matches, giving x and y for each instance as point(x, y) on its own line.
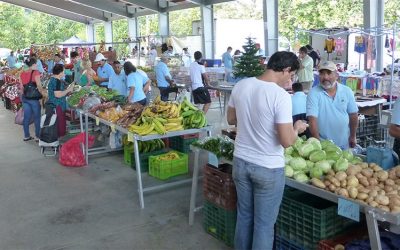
point(287, 159)
point(316, 172)
point(317, 155)
point(324, 165)
point(288, 171)
point(298, 163)
point(347, 154)
point(333, 155)
point(356, 160)
point(326, 143)
point(301, 177)
point(341, 165)
point(298, 143)
point(295, 153)
point(331, 162)
point(305, 149)
point(289, 150)
point(310, 164)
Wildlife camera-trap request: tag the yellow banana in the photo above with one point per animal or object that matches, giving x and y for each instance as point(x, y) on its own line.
point(159, 127)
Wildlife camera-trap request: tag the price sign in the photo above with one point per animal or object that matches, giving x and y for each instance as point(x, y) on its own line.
point(130, 137)
point(112, 128)
point(349, 209)
point(212, 159)
point(97, 121)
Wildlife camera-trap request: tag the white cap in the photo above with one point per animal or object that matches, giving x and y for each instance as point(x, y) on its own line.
point(99, 57)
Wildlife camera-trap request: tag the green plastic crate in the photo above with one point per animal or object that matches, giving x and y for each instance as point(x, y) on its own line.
point(164, 169)
point(306, 219)
point(220, 223)
point(182, 143)
point(283, 244)
point(129, 158)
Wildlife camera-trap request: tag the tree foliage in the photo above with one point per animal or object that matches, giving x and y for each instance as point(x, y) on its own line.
point(248, 64)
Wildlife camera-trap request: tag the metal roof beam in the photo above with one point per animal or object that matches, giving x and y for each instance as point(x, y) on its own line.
point(74, 8)
point(104, 5)
point(198, 2)
point(210, 2)
point(179, 7)
point(147, 4)
point(49, 10)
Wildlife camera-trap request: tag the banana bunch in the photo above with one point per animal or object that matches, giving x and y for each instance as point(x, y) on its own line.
point(162, 109)
point(169, 156)
point(156, 125)
point(192, 116)
point(142, 129)
point(150, 146)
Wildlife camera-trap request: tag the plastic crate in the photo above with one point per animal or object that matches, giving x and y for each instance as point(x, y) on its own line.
point(129, 158)
point(182, 143)
point(218, 186)
point(368, 127)
point(349, 236)
point(164, 169)
point(284, 244)
point(220, 223)
point(306, 219)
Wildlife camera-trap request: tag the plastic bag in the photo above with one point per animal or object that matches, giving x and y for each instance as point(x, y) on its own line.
point(71, 154)
point(19, 117)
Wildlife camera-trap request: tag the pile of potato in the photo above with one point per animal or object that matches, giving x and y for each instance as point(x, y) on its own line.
point(366, 183)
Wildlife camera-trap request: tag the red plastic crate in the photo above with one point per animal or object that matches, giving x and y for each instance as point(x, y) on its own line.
point(190, 136)
point(353, 234)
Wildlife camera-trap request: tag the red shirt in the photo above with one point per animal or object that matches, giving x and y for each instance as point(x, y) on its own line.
point(26, 76)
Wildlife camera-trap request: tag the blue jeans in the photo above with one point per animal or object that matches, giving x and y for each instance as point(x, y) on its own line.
point(259, 191)
point(31, 108)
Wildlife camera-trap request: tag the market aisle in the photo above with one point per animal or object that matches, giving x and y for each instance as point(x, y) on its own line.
point(47, 206)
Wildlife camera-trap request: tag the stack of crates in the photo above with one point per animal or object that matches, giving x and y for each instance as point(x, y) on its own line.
point(164, 169)
point(182, 143)
point(305, 219)
point(129, 158)
point(219, 212)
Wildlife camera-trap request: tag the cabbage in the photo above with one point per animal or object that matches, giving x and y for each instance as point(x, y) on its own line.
point(317, 155)
point(326, 143)
point(347, 154)
point(315, 142)
point(301, 177)
point(341, 165)
point(298, 163)
point(331, 162)
point(289, 150)
point(287, 159)
point(333, 147)
point(288, 171)
point(306, 149)
point(316, 172)
point(324, 165)
point(333, 155)
point(297, 144)
point(310, 164)
point(295, 153)
point(356, 160)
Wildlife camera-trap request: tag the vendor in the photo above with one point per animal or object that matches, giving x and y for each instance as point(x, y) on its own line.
point(164, 78)
point(118, 79)
point(332, 109)
point(104, 71)
point(135, 82)
point(394, 129)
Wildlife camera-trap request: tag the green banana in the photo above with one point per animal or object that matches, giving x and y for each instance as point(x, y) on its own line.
point(189, 104)
point(159, 127)
point(203, 121)
point(197, 117)
point(187, 113)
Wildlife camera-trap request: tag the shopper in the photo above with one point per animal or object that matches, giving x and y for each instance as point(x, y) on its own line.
point(199, 79)
point(39, 64)
point(11, 60)
point(314, 55)
point(331, 109)
point(88, 74)
point(299, 99)
point(261, 110)
point(146, 85)
point(164, 79)
point(134, 82)
point(31, 106)
point(305, 74)
point(186, 57)
point(57, 97)
point(152, 56)
point(394, 129)
point(228, 64)
point(57, 59)
point(77, 62)
point(104, 71)
point(118, 79)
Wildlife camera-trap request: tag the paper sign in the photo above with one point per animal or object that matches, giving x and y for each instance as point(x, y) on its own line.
point(212, 159)
point(97, 121)
point(349, 209)
point(130, 137)
point(112, 128)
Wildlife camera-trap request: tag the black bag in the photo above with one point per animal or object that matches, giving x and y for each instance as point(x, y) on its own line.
point(48, 124)
point(31, 91)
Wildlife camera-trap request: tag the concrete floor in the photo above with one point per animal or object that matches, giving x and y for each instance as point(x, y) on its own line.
point(44, 205)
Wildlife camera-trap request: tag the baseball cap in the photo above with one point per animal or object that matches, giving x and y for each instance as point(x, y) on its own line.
point(100, 57)
point(328, 65)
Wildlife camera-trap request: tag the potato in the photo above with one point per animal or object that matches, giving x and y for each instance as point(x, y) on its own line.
point(364, 165)
point(381, 192)
point(339, 247)
point(392, 174)
point(382, 175)
point(340, 176)
point(390, 182)
point(382, 200)
point(397, 172)
point(393, 192)
point(381, 185)
point(352, 181)
point(372, 181)
point(397, 181)
point(334, 181)
point(362, 196)
point(363, 189)
point(367, 172)
point(353, 170)
point(394, 200)
point(374, 188)
point(327, 183)
point(353, 192)
point(384, 208)
point(318, 183)
point(330, 172)
point(373, 193)
point(375, 167)
point(359, 175)
point(343, 192)
point(332, 188)
point(369, 199)
point(343, 183)
point(364, 181)
point(388, 188)
point(373, 204)
point(395, 209)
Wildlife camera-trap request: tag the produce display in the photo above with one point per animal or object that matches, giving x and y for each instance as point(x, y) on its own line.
point(145, 68)
point(78, 97)
point(192, 116)
point(146, 146)
point(221, 146)
point(133, 112)
point(171, 155)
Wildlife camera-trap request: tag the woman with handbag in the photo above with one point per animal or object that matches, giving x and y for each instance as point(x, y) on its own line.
point(32, 93)
point(57, 97)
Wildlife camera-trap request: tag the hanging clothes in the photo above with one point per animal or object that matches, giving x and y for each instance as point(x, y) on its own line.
point(340, 44)
point(387, 42)
point(360, 44)
point(392, 44)
point(329, 45)
point(371, 52)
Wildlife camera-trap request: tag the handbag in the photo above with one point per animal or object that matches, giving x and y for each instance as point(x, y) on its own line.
point(31, 91)
point(19, 117)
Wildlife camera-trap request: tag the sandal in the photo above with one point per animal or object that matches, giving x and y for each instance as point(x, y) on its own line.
point(28, 138)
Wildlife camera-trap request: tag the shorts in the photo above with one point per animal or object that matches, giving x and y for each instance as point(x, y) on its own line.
point(201, 96)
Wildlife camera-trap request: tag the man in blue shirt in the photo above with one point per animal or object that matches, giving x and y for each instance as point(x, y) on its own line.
point(11, 60)
point(118, 79)
point(104, 71)
point(299, 99)
point(228, 64)
point(332, 110)
point(164, 78)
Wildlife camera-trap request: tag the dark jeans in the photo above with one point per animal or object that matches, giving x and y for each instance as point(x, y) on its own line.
point(164, 92)
point(31, 108)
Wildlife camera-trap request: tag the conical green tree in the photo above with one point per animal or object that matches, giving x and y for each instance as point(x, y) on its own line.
point(248, 64)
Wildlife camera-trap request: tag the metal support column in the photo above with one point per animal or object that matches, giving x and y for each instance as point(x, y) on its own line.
point(132, 31)
point(90, 33)
point(163, 19)
point(370, 8)
point(108, 32)
point(379, 39)
point(270, 17)
point(207, 26)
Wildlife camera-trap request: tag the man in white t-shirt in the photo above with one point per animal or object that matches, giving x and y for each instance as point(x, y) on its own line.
point(199, 80)
point(262, 111)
